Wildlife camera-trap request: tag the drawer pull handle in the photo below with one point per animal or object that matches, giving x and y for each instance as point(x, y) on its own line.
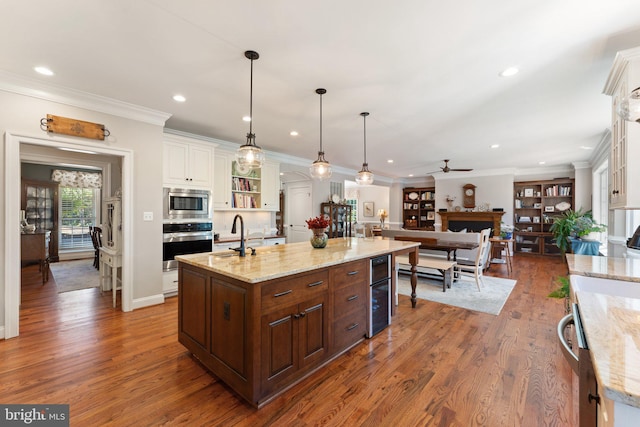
point(351, 273)
point(281, 294)
point(311, 285)
point(352, 297)
point(355, 325)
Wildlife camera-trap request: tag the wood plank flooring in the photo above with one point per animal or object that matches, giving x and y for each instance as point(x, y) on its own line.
point(436, 365)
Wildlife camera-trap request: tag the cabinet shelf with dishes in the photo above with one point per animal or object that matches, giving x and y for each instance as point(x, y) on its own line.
point(418, 208)
point(339, 217)
point(536, 204)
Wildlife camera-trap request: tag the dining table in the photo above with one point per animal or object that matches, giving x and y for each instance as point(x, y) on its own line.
point(449, 246)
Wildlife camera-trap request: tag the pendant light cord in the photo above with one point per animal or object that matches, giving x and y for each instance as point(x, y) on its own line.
point(321, 123)
point(251, 101)
point(364, 121)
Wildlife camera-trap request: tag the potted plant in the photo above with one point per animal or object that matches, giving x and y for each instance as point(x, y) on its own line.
point(318, 225)
point(573, 225)
point(506, 230)
point(562, 291)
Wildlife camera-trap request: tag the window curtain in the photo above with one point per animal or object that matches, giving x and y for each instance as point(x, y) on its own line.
point(77, 179)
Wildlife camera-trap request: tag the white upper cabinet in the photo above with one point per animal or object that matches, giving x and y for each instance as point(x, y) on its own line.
point(187, 163)
point(222, 180)
point(271, 186)
point(624, 173)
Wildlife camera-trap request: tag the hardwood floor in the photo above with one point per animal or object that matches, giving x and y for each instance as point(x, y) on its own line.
point(436, 365)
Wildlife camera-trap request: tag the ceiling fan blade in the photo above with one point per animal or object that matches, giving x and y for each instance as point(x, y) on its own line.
point(461, 170)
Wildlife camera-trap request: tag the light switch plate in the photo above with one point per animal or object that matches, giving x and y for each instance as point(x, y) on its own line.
point(147, 216)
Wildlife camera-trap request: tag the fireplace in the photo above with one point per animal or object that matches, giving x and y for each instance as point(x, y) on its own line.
point(472, 221)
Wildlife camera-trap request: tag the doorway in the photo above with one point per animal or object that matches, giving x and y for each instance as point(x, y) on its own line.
point(13, 145)
point(298, 209)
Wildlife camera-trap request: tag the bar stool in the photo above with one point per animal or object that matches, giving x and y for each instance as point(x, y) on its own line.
point(506, 245)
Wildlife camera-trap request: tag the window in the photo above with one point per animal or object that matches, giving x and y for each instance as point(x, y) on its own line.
point(78, 211)
point(354, 210)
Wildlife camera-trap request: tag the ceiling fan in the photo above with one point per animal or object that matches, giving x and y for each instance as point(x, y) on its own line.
point(446, 168)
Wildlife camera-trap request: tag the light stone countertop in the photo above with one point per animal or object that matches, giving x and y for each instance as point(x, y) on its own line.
point(612, 329)
point(604, 267)
point(612, 326)
point(272, 262)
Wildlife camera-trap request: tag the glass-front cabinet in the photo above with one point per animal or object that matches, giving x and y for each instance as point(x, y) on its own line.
point(40, 205)
point(339, 217)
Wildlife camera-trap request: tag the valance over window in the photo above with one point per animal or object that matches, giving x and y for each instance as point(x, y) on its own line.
point(77, 179)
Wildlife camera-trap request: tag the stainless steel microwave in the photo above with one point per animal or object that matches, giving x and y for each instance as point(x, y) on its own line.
point(184, 203)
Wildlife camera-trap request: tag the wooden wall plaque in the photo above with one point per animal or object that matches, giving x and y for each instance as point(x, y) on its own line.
point(73, 127)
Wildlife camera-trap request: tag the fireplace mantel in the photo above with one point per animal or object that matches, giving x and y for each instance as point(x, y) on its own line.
point(485, 217)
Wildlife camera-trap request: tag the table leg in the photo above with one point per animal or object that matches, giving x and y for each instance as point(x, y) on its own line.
point(413, 259)
point(114, 283)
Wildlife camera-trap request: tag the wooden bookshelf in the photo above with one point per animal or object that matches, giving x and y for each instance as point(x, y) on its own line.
point(419, 208)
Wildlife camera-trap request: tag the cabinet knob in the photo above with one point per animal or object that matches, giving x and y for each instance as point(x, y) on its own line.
point(614, 192)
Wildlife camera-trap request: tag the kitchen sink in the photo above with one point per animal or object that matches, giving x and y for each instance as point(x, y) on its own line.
point(620, 288)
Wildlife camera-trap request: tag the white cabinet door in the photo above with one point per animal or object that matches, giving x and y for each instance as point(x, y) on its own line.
point(187, 164)
point(200, 170)
point(175, 161)
point(222, 180)
point(271, 186)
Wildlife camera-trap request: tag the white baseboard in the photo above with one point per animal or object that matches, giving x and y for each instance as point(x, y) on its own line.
point(148, 301)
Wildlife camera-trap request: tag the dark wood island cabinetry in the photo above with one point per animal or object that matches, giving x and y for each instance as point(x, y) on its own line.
point(263, 323)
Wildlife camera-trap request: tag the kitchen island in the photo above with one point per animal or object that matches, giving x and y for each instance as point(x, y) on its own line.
point(610, 309)
point(264, 322)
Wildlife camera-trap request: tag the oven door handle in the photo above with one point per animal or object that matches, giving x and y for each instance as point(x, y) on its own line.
point(571, 357)
point(187, 237)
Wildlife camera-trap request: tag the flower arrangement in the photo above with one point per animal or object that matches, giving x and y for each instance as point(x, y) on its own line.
point(451, 199)
point(507, 227)
point(317, 222)
point(382, 214)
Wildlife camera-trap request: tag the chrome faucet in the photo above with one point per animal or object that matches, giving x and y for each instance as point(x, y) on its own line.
point(233, 231)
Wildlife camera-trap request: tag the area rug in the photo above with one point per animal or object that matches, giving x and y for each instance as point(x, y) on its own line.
point(75, 275)
point(463, 293)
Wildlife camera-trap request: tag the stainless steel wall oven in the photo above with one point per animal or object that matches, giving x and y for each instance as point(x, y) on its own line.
point(183, 239)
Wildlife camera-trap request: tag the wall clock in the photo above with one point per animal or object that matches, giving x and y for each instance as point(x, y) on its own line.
point(469, 196)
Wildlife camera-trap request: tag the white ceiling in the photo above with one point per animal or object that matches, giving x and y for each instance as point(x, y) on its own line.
point(427, 71)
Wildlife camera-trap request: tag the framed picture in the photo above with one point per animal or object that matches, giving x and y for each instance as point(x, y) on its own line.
point(537, 205)
point(536, 219)
point(431, 215)
point(548, 208)
point(367, 208)
point(528, 192)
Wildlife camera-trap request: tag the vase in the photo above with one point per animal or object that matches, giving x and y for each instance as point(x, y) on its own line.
point(319, 238)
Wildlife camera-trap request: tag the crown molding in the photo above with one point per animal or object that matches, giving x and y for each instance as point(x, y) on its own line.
point(63, 95)
point(620, 64)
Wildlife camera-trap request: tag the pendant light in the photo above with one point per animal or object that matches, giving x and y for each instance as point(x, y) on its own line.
point(320, 169)
point(364, 177)
point(249, 155)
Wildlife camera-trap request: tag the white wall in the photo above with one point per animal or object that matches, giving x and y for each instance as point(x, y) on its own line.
point(496, 190)
point(21, 114)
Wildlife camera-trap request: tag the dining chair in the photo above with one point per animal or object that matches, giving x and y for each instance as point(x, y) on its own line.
point(474, 268)
point(96, 239)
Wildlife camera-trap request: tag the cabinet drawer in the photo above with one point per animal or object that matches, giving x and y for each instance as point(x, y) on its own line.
point(350, 329)
point(356, 272)
point(295, 290)
point(349, 298)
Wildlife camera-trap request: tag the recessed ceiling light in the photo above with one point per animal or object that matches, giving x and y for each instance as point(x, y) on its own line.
point(179, 98)
point(542, 162)
point(293, 133)
point(495, 145)
point(584, 147)
point(390, 161)
point(246, 119)
point(410, 175)
point(511, 71)
point(44, 71)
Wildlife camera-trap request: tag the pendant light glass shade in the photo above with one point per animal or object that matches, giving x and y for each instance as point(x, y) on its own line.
point(629, 106)
point(320, 169)
point(249, 155)
point(364, 177)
